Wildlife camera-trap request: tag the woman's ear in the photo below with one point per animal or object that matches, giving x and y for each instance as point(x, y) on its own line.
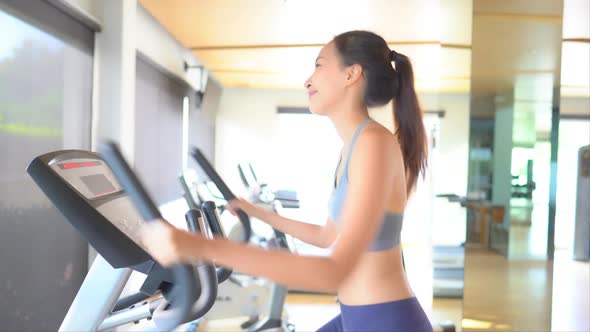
point(353, 74)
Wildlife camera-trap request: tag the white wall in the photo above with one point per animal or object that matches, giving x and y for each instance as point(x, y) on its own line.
point(114, 75)
point(247, 122)
point(450, 167)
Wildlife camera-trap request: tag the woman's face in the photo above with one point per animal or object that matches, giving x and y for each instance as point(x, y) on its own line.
point(326, 86)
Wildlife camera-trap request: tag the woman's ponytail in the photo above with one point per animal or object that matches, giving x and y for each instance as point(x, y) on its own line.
point(408, 121)
point(384, 83)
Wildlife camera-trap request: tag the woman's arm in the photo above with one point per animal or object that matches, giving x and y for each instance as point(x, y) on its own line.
point(317, 235)
point(369, 189)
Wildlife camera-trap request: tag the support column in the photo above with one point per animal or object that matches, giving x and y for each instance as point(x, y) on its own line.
point(115, 57)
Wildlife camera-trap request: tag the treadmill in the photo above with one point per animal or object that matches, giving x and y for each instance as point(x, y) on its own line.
point(97, 198)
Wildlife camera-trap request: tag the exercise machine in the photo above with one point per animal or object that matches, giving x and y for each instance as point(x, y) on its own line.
point(241, 295)
point(581, 245)
point(273, 320)
point(86, 191)
point(263, 192)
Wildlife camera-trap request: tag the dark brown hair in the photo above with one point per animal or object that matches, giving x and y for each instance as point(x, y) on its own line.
point(384, 83)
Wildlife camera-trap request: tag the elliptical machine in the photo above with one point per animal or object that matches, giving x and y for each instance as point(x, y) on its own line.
point(245, 295)
point(98, 201)
point(262, 192)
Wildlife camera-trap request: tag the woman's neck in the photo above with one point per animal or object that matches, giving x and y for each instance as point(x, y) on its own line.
point(347, 121)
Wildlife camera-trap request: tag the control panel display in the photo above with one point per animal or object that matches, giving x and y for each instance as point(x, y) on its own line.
point(98, 184)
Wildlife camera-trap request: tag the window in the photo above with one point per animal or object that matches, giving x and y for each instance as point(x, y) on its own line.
point(159, 115)
point(45, 105)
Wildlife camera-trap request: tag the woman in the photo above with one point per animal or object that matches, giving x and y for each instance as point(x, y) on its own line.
point(376, 173)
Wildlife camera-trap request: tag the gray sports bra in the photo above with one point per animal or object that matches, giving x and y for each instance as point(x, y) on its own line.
point(388, 235)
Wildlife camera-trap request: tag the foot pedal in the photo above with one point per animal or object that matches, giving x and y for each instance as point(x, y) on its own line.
point(247, 324)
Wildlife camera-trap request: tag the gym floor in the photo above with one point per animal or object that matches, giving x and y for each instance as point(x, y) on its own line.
point(571, 286)
point(308, 312)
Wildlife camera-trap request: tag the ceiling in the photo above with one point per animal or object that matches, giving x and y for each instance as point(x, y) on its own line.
point(515, 43)
point(517, 48)
point(274, 43)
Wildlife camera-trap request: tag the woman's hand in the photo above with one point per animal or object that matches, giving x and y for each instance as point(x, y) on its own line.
point(169, 245)
point(239, 204)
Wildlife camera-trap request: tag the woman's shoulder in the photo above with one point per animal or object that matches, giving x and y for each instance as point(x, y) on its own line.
point(377, 152)
point(379, 139)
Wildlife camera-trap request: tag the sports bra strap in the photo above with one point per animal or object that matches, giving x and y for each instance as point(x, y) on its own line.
point(351, 148)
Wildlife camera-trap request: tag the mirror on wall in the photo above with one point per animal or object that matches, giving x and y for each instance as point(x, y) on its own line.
point(514, 112)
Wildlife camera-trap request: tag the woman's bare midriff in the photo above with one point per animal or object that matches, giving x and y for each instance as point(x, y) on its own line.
point(378, 278)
